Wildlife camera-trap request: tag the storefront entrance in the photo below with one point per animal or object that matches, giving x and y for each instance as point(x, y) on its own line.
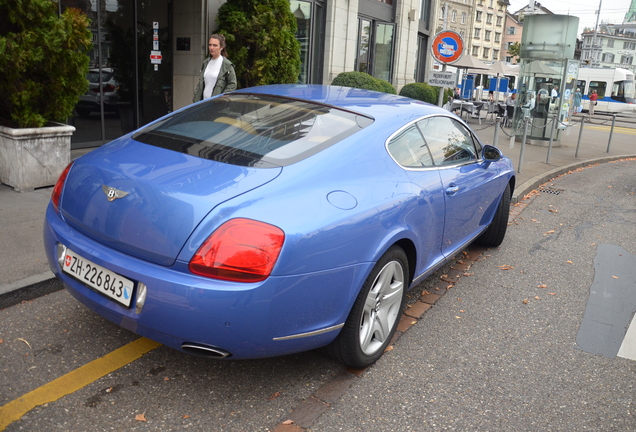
point(131, 62)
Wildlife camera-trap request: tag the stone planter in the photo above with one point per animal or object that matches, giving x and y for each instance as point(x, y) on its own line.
point(34, 157)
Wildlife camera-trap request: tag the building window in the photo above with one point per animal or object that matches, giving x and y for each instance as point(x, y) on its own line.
point(610, 43)
point(475, 51)
point(424, 12)
point(499, 20)
point(626, 60)
point(422, 51)
point(486, 53)
point(442, 12)
point(608, 57)
point(488, 18)
point(477, 32)
point(497, 37)
point(309, 19)
point(495, 54)
point(453, 16)
point(478, 16)
point(508, 59)
point(375, 48)
point(511, 30)
point(463, 17)
point(487, 35)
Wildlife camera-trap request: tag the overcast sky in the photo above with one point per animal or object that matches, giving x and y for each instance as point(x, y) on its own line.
point(612, 11)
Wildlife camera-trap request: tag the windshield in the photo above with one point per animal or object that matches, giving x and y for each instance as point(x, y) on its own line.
point(253, 130)
point(624, 91)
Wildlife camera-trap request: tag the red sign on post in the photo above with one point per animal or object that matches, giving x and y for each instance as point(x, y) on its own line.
point(447, 47)
point(155, 57)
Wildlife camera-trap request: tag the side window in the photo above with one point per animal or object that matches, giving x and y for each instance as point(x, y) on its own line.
point(409, 149)
point(449, 141)
point(600, 87)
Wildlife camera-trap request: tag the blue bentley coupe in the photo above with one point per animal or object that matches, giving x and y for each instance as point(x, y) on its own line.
point(275, 219)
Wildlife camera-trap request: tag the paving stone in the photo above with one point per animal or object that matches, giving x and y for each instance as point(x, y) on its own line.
point(333, 390)
point(417, 309)
point(305, 414)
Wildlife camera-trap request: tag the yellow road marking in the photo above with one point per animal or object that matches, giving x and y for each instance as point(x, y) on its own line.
point(623, 130)
point(75, 380)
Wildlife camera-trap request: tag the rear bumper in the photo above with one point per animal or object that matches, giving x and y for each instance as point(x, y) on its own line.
point(246, 320)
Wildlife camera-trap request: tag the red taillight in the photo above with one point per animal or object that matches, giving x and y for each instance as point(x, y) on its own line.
point(57, 190)
point(240, 250)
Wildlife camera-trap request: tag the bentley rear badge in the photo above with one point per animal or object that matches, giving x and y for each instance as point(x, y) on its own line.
point(112, 194)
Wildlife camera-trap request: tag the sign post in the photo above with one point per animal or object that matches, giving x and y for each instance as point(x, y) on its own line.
point(447, 48)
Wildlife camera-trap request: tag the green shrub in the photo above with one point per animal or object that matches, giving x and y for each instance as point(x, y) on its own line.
point(43, 62)
point(364, 81)
point(425, 92)
point(261, 41)
point(387, 87)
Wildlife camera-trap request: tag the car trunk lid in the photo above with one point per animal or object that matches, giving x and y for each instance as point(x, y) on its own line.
point(146, 201)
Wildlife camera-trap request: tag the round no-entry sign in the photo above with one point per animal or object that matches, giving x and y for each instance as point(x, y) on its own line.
point(447, 47)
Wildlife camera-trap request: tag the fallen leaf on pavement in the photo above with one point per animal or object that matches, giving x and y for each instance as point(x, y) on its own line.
point(274, 396)
point(537, 298)
point(549, 232)
point(22, 340)
point(140, 417)
point(506, 267)
point(542, 286)
point(552, 293)
point(288, 422)
point(615, 277)
point(525, 301)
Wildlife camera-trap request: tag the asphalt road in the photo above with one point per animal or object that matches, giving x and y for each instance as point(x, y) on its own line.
point(497, 352)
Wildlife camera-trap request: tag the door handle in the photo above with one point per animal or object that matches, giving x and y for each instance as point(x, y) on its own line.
point(452, 190)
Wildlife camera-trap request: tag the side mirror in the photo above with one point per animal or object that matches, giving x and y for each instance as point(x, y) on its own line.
point(491, 154)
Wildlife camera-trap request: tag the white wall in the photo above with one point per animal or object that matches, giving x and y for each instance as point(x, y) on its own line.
point(189, 21)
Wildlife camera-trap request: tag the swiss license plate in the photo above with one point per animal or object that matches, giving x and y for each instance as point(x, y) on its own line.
point(97, 277)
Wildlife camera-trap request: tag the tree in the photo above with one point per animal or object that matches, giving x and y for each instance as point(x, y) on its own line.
point(43, 61)
point(514, 50)
point(261, 41)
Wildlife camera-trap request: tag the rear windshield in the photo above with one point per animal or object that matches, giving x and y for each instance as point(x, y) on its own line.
point(253, 130)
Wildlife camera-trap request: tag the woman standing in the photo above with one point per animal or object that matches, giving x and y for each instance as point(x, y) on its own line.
point(577, 101)
point(593, 99)
point(217, 72)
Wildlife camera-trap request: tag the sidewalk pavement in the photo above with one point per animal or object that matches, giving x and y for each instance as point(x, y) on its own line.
point(24, 270)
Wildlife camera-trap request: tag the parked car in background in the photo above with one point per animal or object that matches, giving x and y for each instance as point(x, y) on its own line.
point(90, 101)
point(275, 219)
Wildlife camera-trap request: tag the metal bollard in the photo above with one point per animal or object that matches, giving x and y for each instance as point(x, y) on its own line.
point(609, 142)
point(523, 143)
point(552, 127)
point(578, 143)
point(495, 140)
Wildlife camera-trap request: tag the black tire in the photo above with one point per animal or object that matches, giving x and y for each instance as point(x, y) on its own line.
point(375, 314)
point(496, 231)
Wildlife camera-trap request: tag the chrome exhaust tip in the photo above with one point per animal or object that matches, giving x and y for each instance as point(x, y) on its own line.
point(204, 350)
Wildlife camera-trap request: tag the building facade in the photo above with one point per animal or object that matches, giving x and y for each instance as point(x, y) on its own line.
point(610, 46)
point(488, 29)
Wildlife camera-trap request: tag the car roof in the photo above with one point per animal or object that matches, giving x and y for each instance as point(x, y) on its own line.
point(367, 102)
